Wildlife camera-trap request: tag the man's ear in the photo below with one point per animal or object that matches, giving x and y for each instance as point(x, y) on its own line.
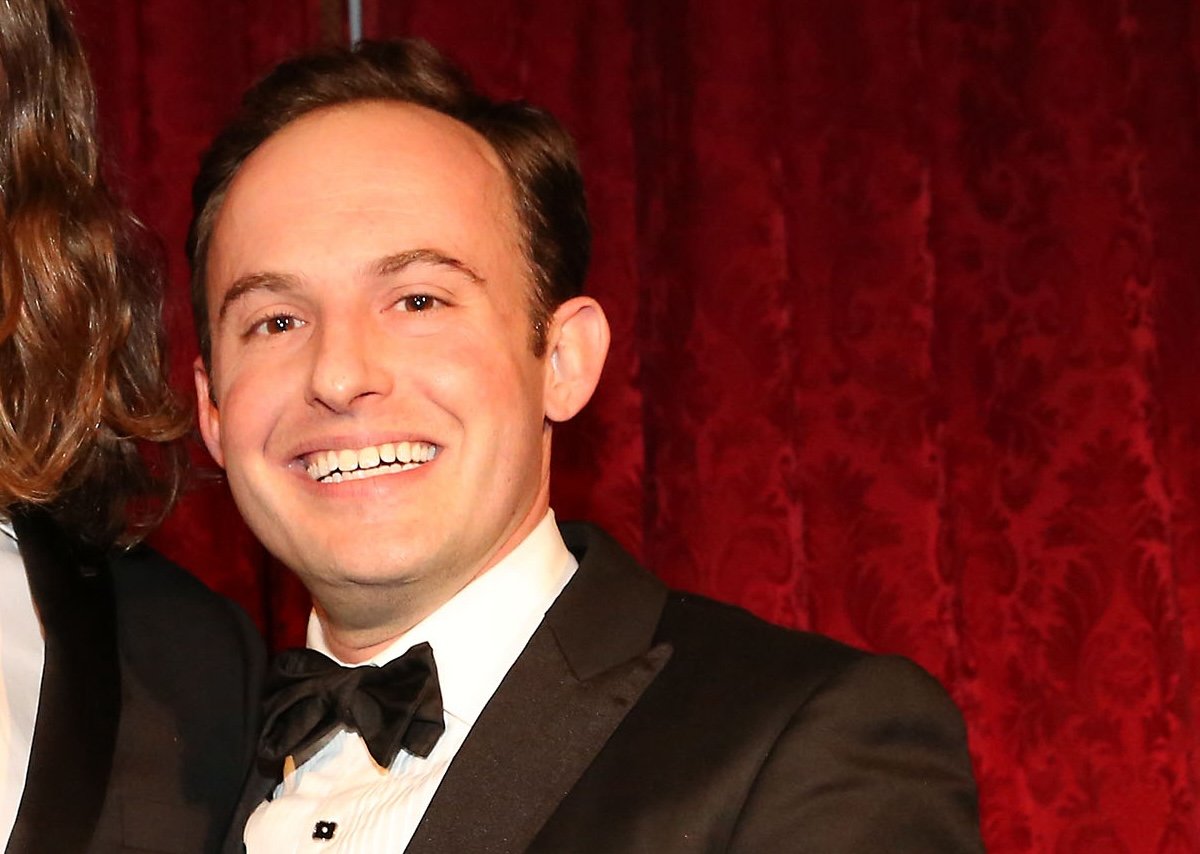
point(577, 347)
point(207, 414)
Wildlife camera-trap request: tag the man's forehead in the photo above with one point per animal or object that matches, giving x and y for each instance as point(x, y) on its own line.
point(351, 166)
point(341, 141)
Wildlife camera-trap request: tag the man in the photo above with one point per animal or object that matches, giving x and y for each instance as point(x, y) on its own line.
point(387, 282)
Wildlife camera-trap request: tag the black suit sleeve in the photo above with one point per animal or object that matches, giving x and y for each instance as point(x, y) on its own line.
point(875, 760)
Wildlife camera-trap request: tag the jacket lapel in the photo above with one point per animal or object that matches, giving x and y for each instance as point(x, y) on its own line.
point(79, 703)
point(583, 669)
point(258, 786)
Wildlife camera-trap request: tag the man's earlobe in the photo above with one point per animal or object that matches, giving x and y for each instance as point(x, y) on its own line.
point(578, 343)
point(208, 417)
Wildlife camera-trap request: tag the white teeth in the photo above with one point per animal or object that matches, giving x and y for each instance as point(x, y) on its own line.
point(361, 474)
point(381, 470)
point(347, 464)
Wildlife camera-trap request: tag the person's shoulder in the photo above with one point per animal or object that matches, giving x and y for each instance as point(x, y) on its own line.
point(142, 574)
point(731, 639)
point(741, 651)
point(707, 627)
point(157, 598)
point(816, 711)
point(142, 567)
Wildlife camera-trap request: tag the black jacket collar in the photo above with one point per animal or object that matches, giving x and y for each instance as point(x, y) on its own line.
point(79, 704)
point(583, 669)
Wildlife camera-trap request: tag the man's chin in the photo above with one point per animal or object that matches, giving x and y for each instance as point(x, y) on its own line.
point(348, 554)
point(354, 576)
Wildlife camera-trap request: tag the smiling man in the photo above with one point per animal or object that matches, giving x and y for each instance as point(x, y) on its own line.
point(387, 278)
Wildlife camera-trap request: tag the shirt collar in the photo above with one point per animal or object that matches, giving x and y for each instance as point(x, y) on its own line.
point(8, 537)
point(478, 634)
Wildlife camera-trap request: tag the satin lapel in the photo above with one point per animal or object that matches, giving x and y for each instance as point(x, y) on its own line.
point(79, 703)
point(258, 786)
point(581, 672)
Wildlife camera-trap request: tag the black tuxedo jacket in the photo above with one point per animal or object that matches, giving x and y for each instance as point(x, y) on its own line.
point(640, 720)
point(148, 704)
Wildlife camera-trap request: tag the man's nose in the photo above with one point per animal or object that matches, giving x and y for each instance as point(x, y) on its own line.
point(347, 366)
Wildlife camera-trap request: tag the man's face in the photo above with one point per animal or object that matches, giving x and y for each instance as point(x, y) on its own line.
point(378, 409)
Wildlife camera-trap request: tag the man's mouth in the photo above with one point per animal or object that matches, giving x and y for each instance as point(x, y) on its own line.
point(372, 461)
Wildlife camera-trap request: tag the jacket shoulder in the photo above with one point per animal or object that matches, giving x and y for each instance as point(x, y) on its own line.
point(154, 591)
point(699, 619)
point(761, 735)
point(167, 619)
point(786, 668)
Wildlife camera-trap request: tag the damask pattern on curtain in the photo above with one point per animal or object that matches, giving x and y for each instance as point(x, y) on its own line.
point(904, 297)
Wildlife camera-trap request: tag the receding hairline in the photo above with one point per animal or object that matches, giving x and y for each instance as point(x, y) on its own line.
point(539, 157)
point(499, 173)
point(427, 115)
point(480, 144)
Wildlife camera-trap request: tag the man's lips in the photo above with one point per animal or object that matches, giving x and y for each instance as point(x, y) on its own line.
point(337, 465)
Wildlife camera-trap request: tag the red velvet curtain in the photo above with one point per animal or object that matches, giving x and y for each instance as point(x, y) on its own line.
point(168, 74)
point(904, 296)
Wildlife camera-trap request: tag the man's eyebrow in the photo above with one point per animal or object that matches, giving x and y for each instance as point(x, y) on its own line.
point(390, 264)
point(274, 282)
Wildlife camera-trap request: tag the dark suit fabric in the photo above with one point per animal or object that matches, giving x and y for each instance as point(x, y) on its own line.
point(148, 706)
point(640, 720)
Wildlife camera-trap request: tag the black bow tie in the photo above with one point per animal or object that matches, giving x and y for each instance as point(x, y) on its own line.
point(308, 695)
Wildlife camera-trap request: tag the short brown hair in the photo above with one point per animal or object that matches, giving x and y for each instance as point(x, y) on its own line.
point(537, 153)
point(82, 372)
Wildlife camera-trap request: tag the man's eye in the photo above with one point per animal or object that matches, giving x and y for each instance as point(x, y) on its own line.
point(417, 303)
point(277, 324)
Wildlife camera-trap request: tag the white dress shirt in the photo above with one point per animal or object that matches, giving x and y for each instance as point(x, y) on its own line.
point(22, 652)
point(476, 637)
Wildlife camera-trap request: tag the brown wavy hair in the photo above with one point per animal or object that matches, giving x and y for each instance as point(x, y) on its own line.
point(82, 368)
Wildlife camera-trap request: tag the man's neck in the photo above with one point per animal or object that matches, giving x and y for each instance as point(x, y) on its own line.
point(356, 646)
point(354, 643)
point(357, 627)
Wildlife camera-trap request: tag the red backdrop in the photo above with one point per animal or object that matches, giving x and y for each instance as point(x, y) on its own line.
point(904, 296)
